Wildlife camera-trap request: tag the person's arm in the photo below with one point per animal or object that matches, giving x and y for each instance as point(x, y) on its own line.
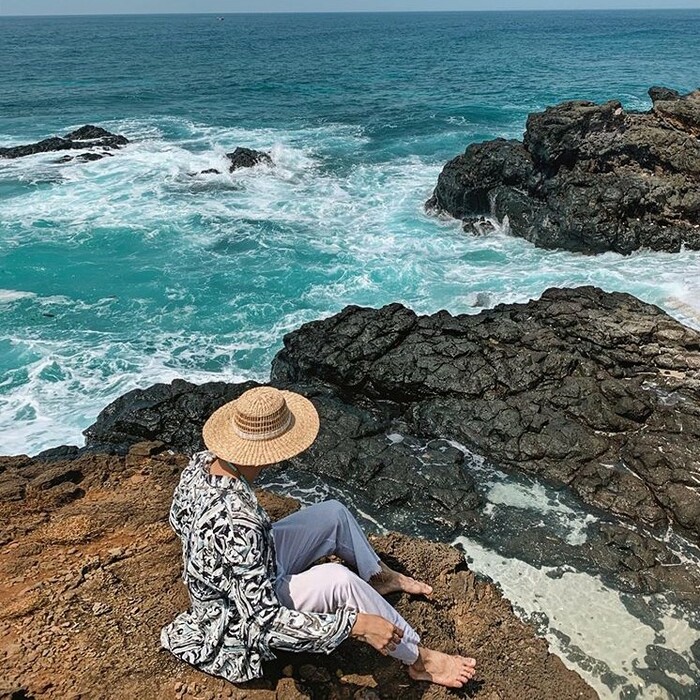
point(230, 558)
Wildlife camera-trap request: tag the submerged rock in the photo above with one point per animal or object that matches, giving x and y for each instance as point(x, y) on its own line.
point(85, 137)
point(588, 177)
point(247, 158)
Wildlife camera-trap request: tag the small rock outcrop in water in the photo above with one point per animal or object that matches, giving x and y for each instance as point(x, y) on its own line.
point(89, 581)
point(247, 158)
point(588, 177)
point(85, 137)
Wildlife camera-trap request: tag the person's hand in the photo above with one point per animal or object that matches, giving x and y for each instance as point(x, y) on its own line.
point(378, 632)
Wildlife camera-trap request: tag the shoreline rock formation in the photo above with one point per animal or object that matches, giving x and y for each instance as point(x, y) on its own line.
point(594, 392)
point(91, 571)
point(588, 177)
point(85, 137)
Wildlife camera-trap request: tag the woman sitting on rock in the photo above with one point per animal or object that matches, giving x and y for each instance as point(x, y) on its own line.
point(249, 581)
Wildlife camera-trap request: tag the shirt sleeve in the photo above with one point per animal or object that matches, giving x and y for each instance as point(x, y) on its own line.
point(232, 560)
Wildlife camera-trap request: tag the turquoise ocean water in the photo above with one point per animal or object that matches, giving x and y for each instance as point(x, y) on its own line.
point(127, 271)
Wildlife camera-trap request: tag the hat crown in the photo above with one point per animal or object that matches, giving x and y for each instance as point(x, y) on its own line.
point(261, 414)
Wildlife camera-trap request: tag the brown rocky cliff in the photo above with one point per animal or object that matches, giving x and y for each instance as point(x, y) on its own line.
point(90, 572)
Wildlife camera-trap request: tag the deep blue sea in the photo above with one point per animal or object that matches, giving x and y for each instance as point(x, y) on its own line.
point(123, 272)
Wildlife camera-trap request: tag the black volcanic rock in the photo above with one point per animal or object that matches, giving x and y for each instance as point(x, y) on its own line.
point(352, 448)
point(599, 392)
point(170, 413)
point(85, 137)
point(588, 177)
point(658, 93)
point(247, 158)
point(596, 392)
point(89, 133)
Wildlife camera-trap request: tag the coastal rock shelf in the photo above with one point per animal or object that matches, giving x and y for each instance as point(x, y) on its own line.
point(591, 391)
point(587, 177)
point(89, 581)
point(86, 137)
point(596, 391)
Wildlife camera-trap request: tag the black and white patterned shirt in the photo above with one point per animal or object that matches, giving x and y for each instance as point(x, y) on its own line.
point(229, 562)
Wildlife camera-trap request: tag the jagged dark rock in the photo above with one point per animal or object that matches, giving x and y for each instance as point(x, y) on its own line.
point(427, 483)
point(170, 413)
point(596, 391)
point(89, 133)
point(247, 158)
point(588, 177)
point(85, 137)
point(658, 93)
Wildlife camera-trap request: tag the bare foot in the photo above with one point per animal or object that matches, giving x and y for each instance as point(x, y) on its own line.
point(443, 669)
point(390, 581)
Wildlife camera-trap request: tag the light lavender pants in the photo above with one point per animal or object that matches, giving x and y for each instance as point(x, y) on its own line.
point(321, 530)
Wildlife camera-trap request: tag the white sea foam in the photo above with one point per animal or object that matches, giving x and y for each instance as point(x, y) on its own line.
point(7, 296)
point(535, 496)
point(356, 233)
point(588, 624)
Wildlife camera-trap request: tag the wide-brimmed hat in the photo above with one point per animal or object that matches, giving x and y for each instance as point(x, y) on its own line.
point(262, 426)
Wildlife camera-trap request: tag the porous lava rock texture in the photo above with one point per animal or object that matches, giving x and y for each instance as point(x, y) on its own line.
point(598, 391)
point(89, 579)
point(87, 136)
point(593, 391)
point(588, 177)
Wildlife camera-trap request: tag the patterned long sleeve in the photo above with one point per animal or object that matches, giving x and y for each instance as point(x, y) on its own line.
point(236, 561)
point(229, 567)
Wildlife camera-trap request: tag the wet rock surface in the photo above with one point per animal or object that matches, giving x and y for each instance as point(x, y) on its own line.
point(583, 390)
point(247, 158)
point(597, 391)
point(88, 584)
point(87, 136)
point(588, 177)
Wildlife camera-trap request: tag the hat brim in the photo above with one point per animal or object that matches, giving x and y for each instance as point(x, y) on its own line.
point(220, 439)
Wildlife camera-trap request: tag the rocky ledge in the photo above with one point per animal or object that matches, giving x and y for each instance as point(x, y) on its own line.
point(85, 137)
point(595, 393)
point(588, 177)
point(91, 572)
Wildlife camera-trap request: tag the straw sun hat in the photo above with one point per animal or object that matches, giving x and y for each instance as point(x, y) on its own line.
point(262, 426)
